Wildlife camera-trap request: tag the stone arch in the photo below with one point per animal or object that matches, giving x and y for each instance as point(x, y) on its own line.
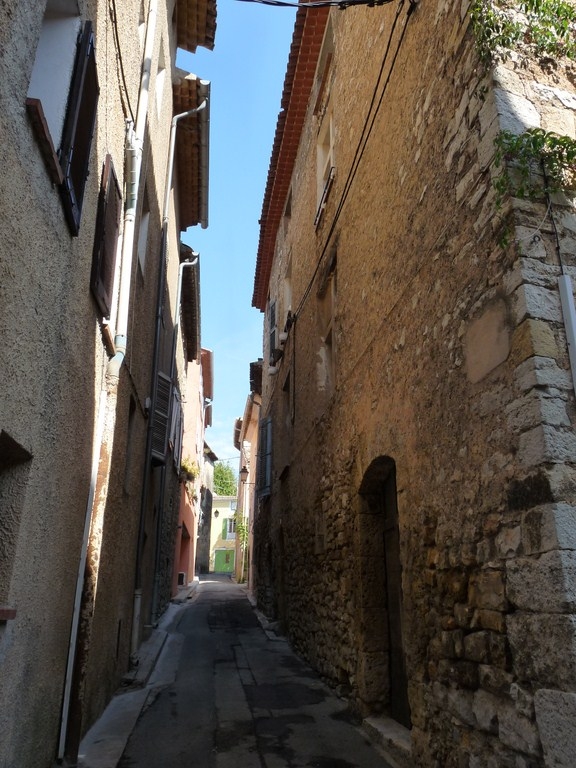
point(381, 673)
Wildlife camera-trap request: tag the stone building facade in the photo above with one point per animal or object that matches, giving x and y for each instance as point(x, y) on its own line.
point(416, 524)
point(91, 369)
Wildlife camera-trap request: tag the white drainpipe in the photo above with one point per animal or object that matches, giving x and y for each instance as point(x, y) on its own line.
point(134, 149)
point(569, 313)
point(134, 146)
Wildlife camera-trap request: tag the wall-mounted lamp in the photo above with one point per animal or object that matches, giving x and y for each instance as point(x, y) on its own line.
point(243, 474)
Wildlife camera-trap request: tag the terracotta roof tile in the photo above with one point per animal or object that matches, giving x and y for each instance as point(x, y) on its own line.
point(188, 161)
point(195, 24)
point(304, 51)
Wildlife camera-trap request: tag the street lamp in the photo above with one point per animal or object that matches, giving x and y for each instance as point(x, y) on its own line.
point(243, 474)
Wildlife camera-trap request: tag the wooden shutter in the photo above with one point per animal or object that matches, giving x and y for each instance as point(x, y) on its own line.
point(106, 238)
point(265, 458)
point(272, 329)
point(161, 419)
point(79, 124)
point(176, 428)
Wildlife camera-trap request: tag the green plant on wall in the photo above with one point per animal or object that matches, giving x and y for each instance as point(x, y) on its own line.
point(533, 163)
point(241, 530)
point(542, 27)
point(189, 468)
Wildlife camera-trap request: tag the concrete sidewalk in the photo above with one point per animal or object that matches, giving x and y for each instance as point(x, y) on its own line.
point(104, 743)
point(159, 659)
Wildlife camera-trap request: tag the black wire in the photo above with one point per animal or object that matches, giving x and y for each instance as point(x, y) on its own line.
point(114, 16)
point(362, 142)
point(319, 3)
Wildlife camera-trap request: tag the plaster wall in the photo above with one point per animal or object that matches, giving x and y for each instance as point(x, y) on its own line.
point(448, 356)
point(53, 365)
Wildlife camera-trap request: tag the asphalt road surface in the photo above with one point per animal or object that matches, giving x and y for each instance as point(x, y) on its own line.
point(235, 696)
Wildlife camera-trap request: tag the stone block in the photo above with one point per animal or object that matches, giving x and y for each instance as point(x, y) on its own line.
point(547, 527)
point(534, 301)
point(476, 647)
point(487, 342)
point(462, 674)
point(556, 719)
point(523, 700)
point(494, 679)
point(485, 710)
point(488, 116)
point(546, 583)
point(460, 704)
point(508, 541)
point(487, 590)
point(546, 444)
point(498, 650)
point(558, 121)
point(543, 648)
point(542, 372)
point(517, 731)
point(557, 95)
point(516, 112)
point(530, 242)
point(533, 337)
point(485, 619)
point(463, 613)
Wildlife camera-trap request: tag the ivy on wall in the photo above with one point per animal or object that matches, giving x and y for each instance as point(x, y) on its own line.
point(534, 163)
point(539, 27)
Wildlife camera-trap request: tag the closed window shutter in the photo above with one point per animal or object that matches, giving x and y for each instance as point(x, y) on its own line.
point(176, 428)
point(79, 124)
point(106, 238)
point(272, 326)
point(161, 419)
point(265, 458)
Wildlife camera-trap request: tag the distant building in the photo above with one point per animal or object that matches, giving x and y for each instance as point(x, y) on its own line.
point(92, 366)
point(223, 535)
point(416, 521)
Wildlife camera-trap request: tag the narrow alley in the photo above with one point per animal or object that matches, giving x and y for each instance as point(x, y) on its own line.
point(227, 693)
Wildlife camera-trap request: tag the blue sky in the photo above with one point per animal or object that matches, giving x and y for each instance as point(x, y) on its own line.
point(246, 70)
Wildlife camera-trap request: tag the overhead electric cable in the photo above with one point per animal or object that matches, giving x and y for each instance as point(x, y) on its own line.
point(114, 17)
point(342, 4)
point(362, 142)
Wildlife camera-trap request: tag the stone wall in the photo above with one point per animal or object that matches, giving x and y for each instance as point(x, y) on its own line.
point(450, 361)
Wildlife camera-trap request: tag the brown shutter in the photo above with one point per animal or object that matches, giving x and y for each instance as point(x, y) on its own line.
point(79, 127)
point(106, 238)
point(161, 419)
point(264, 474)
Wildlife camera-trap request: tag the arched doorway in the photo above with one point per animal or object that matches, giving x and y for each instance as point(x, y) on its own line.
point(382, 670)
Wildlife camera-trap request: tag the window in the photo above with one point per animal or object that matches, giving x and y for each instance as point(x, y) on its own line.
point(229, 529)
point(176, 425)
point(326, 317)
point(323, 69)
point(161, 418)
point(143, 232)
point(287, 285)
point(106, 238)
point(274, 353)
point(325, 166)
point(62, 100)
point(15, 463)
point(264, 475)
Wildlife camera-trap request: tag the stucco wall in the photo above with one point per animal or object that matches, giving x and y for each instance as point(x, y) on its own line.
point(450, 359)
point(53, 365)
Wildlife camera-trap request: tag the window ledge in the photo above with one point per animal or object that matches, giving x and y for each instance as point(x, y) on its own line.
point(44, 139)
